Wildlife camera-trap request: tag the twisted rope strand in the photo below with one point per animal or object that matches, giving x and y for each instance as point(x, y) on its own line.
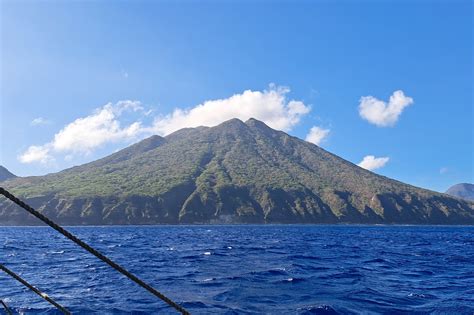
point(94, 252)
point(7, 309)
point(32, 288)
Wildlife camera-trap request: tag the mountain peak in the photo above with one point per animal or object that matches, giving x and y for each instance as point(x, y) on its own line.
point(232, 122)
point(5, 174)
point(233, 125)
point(260, 125)
point(255, 123)
point(462, 190)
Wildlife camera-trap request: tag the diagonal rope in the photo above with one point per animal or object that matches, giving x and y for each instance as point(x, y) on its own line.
point(32, 288)
point(7, 309)
point(94, 252)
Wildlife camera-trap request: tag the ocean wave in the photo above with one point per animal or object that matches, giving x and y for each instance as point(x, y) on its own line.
point(267, 269)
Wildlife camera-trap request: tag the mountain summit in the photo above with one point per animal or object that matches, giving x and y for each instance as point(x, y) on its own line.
point(463, 190)
point(236, 172)
point(5, 174)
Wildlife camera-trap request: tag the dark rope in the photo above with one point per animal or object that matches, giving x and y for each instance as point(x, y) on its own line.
point(9, 312)
point(94, 252)
point(32, 288)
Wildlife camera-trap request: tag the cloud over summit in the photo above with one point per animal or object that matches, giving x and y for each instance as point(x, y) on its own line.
point(106, 124)
point(270, 106)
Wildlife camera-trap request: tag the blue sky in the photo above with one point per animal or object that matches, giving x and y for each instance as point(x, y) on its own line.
point(304, 65)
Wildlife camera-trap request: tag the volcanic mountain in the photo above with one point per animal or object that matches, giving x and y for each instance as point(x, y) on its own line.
point(235, 172)
point(463, 190)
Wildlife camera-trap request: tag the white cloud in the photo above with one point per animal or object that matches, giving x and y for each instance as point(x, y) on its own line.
point(40, 121)
point(317, 134)
point(36, 154)
point(382, 114)
point(88, 133)
point(269, 106)
point(443, 170)
point(84, 135)
point(371, 163)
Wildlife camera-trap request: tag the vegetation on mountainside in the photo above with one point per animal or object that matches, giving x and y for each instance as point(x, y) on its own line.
point(234, 172)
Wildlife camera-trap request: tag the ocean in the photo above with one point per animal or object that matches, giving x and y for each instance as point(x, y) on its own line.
point(245, 269)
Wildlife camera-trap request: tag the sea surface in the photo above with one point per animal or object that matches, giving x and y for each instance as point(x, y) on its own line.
point(275, 269)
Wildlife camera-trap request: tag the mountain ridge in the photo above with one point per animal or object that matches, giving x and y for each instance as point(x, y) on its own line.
point(236, 172)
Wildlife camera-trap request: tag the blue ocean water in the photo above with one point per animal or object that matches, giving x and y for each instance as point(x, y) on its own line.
point(246, 269)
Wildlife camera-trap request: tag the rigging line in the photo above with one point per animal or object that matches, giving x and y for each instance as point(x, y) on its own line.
point(7, 309)
point(34, 289)
point(94, 252)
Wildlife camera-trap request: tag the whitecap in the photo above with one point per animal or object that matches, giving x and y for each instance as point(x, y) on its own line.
point(56, 252)
point(207, 253)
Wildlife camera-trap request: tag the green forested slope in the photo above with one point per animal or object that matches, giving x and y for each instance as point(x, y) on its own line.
point(233, 173)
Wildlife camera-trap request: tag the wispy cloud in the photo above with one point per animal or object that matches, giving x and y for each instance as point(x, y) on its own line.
point(317, 134)
point(382, 114)
point(106, 124)
point(371, 163)
point(443, 170)
point(40, 121)
point(87, 133)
